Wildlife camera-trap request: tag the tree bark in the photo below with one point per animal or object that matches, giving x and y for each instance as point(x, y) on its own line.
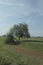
point(19, 37)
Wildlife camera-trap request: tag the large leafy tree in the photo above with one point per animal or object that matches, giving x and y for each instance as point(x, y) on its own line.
point(20, 30)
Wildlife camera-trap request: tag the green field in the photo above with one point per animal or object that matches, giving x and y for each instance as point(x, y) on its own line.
point(28, 52)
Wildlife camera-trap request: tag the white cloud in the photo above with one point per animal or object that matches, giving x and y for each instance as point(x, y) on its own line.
point(5, 2)
point(23, 8)
point(20, 10)
point(3, 16)
point(35, 32)
point(4, 28)
point(40, 12)
point(39, 8)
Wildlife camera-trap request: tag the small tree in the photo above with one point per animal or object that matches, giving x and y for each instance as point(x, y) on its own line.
point(20, 30)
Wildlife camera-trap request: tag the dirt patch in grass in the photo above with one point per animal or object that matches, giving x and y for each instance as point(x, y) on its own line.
point(28, 52)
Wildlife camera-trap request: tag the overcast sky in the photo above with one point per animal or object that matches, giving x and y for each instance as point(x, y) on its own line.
point(17, 11)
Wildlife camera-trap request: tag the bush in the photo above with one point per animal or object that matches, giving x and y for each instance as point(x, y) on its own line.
point(21, 63)
point(9, 38)
point(4, 61)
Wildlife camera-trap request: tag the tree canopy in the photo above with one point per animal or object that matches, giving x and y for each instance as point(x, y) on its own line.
point(20, 30)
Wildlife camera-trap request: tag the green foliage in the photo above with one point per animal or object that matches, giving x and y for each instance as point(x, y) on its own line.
point(9, 38)
point(3, 35)
point(20, 30)
point(4, 61)
point(24, 29)
point(21, 63)
point(29, 52)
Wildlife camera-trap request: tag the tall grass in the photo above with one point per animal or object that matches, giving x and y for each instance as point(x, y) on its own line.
point(20, 54)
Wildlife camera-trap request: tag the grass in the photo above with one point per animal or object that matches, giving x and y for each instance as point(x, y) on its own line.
point(29, 52)
point(35, 46)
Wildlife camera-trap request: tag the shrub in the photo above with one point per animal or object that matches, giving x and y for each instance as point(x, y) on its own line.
point(9, 39)
point(21, 63)
point(4, 61)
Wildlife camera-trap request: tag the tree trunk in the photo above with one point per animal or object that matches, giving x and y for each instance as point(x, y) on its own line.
point(19, 37)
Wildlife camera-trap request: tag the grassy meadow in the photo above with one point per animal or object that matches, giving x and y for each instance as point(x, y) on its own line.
point(28, 52)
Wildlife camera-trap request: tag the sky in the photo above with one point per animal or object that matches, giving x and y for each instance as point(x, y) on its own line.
point(22, 11)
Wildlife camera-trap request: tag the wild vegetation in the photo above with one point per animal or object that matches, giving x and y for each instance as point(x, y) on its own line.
point(21, 49)
point(28, 52)
point(4, 61)
point(20, 30)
